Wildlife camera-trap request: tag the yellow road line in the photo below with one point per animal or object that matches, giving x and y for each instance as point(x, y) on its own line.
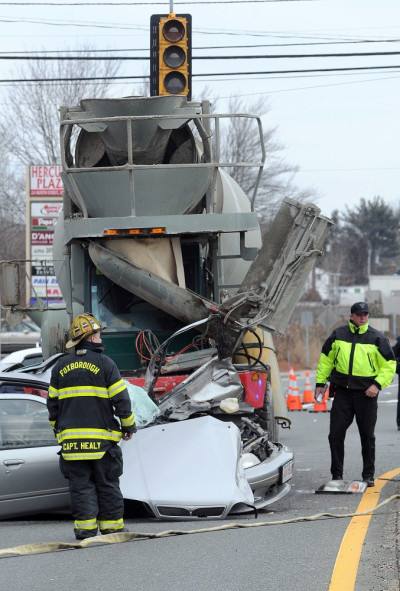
point(344, 573)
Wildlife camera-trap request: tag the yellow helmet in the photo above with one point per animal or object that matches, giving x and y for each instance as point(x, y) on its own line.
point(82, 326)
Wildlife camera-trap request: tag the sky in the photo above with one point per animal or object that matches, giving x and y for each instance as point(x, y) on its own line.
point(341, 130)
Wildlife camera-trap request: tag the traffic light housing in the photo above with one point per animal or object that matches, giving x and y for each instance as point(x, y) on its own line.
point(171, 55)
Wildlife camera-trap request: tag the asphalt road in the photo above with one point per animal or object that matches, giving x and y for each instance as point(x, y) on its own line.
point(295, 557)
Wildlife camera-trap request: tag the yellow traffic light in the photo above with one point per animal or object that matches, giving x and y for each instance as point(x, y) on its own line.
point(171, 53)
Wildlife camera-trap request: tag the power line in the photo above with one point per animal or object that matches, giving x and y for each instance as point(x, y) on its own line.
point(203, 31)
point(271, 72)
point(124, 26)
point(292, 77)
point(202, 47)
point(203, 57)
point(79, 79)
point(198, 2)
point(299, 55)
point(83, 24)
point(310, 87)
point(211, 74)
point(276, 34)
point(270, 92)
point(300, 44)
point(213, 80)
point(208, 31)
point(129, 27)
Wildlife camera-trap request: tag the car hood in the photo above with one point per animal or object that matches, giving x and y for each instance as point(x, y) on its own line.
point(185, 469)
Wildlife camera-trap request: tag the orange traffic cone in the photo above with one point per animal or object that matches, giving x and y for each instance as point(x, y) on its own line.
point(308, 394)
point(323, 405)
point(293, 401)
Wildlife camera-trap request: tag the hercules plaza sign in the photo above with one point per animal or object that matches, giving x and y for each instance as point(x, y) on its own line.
point(44, 205)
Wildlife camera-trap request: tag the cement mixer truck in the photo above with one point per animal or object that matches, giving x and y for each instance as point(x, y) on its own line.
point(160, 243)
point(163, 246)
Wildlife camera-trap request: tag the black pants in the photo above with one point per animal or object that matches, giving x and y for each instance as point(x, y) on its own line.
point(96, 498)
point(346, 405)
point(398, 402)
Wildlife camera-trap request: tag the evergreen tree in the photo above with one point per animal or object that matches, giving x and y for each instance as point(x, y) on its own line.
point(363, 241)
point(373, 227)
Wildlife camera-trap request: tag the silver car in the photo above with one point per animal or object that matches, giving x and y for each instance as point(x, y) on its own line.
point(30, 479)
point(18, 336)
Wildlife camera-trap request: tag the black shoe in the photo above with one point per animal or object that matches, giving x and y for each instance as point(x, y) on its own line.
point(370, 481)
point(337, 477)
point(83, 534)
point(104, 532)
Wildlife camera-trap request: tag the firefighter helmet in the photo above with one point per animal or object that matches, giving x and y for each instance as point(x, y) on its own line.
point(82, 326)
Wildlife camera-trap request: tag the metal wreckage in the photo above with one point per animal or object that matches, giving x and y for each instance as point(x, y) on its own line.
point(162, 244)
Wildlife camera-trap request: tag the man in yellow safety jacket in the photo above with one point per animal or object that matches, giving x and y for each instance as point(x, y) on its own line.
point(359, 362)
point(86, 396)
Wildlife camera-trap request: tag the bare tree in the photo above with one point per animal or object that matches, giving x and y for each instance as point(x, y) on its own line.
point(240, 143)
point(12, 212)
point(29, 132)
point(30, 119)
point(12, 209)
point(12, 196)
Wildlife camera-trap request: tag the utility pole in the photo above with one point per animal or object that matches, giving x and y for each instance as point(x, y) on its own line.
point(369, 253)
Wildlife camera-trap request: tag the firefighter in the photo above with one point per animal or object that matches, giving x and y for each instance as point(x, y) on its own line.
point(86, 395)
point(359, 362)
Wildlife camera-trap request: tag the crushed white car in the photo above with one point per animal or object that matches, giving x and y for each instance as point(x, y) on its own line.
point(21, 358)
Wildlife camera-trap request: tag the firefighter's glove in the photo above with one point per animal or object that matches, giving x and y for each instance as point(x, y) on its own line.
point(127, 434)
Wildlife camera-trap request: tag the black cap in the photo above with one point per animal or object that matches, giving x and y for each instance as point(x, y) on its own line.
point(359, 308)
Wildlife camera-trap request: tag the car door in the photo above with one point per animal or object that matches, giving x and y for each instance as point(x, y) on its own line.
point(30, 478)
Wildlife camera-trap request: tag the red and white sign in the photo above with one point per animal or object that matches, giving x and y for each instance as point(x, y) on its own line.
point(45, 209)
point(42, 237)
point(45, 287)
point(43, 223)
point(45, 181)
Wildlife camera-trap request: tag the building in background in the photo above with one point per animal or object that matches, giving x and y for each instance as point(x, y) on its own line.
point(388, 285)
point(348, 294)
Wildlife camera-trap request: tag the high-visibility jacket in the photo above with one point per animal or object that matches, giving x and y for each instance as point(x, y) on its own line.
point(356, 357)
point(86, 395)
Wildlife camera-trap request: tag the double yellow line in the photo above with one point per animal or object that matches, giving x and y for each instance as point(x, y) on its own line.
point(348, 558)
